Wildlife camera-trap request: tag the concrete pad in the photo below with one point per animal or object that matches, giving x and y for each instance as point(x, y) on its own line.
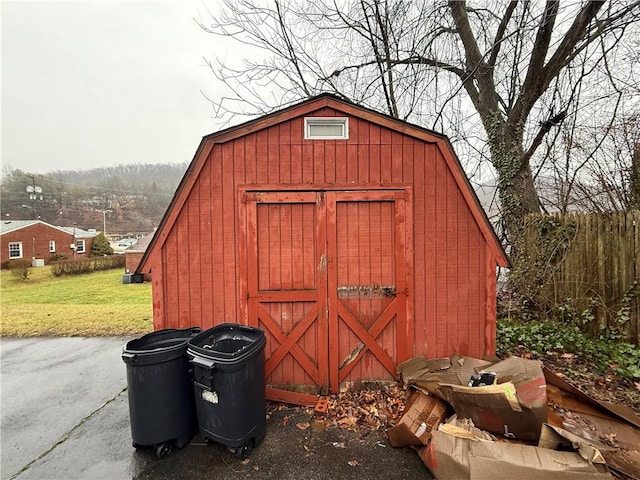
point(98, 448)
point(66, 414)
point(48, 386)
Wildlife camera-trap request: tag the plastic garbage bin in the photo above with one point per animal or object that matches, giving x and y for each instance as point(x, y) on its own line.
point(229, 385)
point(161, 404)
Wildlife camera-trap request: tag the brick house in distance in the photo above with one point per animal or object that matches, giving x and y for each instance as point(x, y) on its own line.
point(134, 254)
point(38, 240)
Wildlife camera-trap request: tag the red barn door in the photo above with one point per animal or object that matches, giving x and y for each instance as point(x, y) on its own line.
point(367, 285)
point(326, 280)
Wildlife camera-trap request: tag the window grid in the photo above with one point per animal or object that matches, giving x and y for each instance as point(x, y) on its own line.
point(15, 250)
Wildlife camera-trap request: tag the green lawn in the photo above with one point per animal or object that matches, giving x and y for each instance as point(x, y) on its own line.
point(95, 304)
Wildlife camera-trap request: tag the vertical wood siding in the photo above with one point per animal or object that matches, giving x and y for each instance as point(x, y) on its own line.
point(199, 261)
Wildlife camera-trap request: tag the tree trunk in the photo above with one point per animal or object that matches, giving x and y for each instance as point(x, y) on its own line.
point(634, 180)
point(516, 189)
point(518, 198)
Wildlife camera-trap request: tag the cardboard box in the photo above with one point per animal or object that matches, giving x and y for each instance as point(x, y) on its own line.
point(516, 406)
point(459, 451)
point(423, 414)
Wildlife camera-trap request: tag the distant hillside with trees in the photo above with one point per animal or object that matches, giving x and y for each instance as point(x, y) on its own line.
point(131, 198)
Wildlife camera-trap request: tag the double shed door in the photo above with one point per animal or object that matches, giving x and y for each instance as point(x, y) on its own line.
point(326, 281)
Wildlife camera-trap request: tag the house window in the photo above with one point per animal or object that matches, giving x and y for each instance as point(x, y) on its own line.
point(52, 246)
point(15, 250)
point(326, 128)
point(80, 246)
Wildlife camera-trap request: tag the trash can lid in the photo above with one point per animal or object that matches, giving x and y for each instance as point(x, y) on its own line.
point(228, 342)
point(159, 346)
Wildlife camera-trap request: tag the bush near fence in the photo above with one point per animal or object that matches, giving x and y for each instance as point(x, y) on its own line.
point(584, 268)
point(94, 264)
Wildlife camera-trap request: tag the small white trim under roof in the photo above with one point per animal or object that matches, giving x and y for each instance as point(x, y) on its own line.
point(7, 226)
point(326, 128)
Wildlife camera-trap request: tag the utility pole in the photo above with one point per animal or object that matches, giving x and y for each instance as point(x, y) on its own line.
point(75, 245)
point(34, 192)
point(104, 221)
point(104, 211)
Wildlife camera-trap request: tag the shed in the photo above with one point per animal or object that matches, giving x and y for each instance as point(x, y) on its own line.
point(353, 239)
point(134, 253)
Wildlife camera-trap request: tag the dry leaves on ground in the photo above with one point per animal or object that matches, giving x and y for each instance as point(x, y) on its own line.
point(363, 410)
point(367, 409)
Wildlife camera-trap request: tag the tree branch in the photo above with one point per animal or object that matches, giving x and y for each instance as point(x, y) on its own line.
point(546, 126)
point(540, 49)
point(293, 57)
point(497, 42)
point(486, 100)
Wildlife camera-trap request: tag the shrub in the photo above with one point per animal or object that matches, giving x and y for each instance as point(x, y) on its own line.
point(100, 246)
point(605, 351)
point(94, 264)
point(20, 268)
point(57, 257)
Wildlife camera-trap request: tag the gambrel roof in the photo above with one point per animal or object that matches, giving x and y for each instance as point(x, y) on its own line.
point(307, 107)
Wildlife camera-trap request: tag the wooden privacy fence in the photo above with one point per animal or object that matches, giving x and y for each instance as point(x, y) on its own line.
point(586, 264)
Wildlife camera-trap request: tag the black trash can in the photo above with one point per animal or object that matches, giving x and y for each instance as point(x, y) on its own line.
point(229, 385)
point(161, 404)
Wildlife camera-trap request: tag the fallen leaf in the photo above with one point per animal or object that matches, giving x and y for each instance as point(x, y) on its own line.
point(245, 461)
point(353, 463)
point(303, 425)
point(320, 425)
point(256, 468)
point(348, 421)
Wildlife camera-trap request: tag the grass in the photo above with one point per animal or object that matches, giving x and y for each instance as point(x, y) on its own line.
point(94, 304)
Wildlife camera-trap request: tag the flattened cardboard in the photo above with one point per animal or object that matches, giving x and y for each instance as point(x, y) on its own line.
point(515, 407)
point(455, 370)
point(621, 411)
point(462, 452)
point(423, 413)
point(587, 413)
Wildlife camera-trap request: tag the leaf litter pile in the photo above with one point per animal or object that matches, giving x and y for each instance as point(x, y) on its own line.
point(366, 410)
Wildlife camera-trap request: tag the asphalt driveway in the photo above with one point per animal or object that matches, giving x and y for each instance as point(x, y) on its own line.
point(65, 415)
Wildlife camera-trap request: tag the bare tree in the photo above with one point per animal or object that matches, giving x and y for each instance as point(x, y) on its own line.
point(513, 69)
point(600, 168)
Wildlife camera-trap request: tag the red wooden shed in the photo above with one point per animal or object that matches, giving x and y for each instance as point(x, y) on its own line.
point(353, 239)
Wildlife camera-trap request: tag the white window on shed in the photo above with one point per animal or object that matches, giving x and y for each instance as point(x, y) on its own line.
point(15, 250)
point(326, 128)
point(52, 246)
point(80, 247)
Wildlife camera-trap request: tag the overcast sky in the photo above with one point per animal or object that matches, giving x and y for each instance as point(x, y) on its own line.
point(97, 83)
